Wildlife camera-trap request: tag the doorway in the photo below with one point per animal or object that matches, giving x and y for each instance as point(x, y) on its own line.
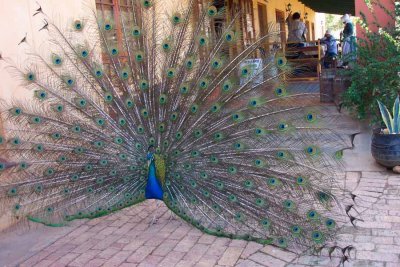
point(281, 24)
point(263, 24)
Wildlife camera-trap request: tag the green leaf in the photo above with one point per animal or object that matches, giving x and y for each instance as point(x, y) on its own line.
point(386, 117)
point(396, 115)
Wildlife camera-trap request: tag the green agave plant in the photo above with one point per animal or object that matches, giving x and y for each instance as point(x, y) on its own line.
point(392, 123)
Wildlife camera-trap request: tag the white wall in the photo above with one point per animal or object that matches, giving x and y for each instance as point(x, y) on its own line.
point(320, 23)
point(16, 19)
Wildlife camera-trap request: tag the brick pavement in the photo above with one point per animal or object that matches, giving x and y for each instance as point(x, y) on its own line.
point(127, 238)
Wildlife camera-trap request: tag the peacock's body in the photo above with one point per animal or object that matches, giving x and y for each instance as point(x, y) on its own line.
point(171, 113)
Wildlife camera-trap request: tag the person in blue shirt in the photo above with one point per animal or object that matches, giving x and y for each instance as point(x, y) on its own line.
point(332, 48)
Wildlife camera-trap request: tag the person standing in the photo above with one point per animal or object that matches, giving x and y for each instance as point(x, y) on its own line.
point(348, 41)
point(297, 30)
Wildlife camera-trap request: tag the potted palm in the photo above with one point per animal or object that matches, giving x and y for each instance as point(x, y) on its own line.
point(386, 141)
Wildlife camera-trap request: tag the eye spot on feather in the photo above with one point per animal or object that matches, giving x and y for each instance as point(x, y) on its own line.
point(57, 61)
point(22, 166)
point(300, 180)
point(212, 11)
point(176, 19)
point(78, 25)
point(280, 91)
point(312, 215)
point(194, 108)
point(99, 73)
point(39, 148)
point(218, 136)
point(260, 202)
point(289, 205)
point(214, 159)
point(147, 3)
point(272, 182)
point(282, 127)
point(296, 230)
point(198, 133)
point(189, 64)
point(203, 84)
point(114, 52)
point(282, 242)
point(310, 117)
point(232, 170)
point(174, 116)
point(70, 82)
point(265, 223)
point(281, 61)
point(108, 27)
point(339, 154)
point(330, 224)
point(170, 73)
point(317, 237)
point(16, 111)
point(79, 150)
point(119, 140)
point(248, 184)
point(31, 77)
point(232, 198)
point(202, 41)
point(84, 53)
point(12, 192)
point(140, 129)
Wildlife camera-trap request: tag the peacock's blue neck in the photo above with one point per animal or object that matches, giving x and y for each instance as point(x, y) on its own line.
point(153, 189)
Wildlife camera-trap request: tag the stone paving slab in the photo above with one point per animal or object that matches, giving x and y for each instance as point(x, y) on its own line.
point(150, 235)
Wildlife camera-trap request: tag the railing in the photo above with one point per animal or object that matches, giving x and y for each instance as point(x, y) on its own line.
point(307, 60)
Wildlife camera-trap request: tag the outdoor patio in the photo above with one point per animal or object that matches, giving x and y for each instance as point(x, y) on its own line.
point(149, 234)
point(129, 238)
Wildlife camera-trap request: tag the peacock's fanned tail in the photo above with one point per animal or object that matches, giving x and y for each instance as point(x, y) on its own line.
point(238, 152)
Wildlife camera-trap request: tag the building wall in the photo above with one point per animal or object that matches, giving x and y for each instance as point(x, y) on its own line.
point(16, 20)
point(378, 15)
point(297, 6)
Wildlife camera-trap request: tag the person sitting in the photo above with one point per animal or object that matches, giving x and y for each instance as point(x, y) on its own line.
point(332, 51)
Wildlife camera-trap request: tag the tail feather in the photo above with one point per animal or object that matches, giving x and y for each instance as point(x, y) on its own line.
point(239, 152)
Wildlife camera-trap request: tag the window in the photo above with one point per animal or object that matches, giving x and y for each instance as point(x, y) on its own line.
point(117, 11)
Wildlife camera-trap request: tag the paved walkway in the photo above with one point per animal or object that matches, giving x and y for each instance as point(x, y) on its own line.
point(128, 238)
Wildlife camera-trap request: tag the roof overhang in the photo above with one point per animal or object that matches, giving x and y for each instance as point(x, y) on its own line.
point(332, 6)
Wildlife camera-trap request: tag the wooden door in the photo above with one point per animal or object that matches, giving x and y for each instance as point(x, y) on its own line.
point(281, 24)
point(263, 23)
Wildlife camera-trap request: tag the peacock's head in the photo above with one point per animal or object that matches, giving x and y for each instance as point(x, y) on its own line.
point(154, 156)
point(150, 152)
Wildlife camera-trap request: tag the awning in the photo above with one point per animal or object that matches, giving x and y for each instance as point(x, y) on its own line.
point(332, 6)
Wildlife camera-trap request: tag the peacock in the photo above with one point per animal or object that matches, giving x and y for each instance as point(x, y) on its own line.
point(180, 110)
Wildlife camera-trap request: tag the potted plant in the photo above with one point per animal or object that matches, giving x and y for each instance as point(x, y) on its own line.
point(385, 146)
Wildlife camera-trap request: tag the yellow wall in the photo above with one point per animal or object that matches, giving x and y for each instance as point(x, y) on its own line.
point(273, 5)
